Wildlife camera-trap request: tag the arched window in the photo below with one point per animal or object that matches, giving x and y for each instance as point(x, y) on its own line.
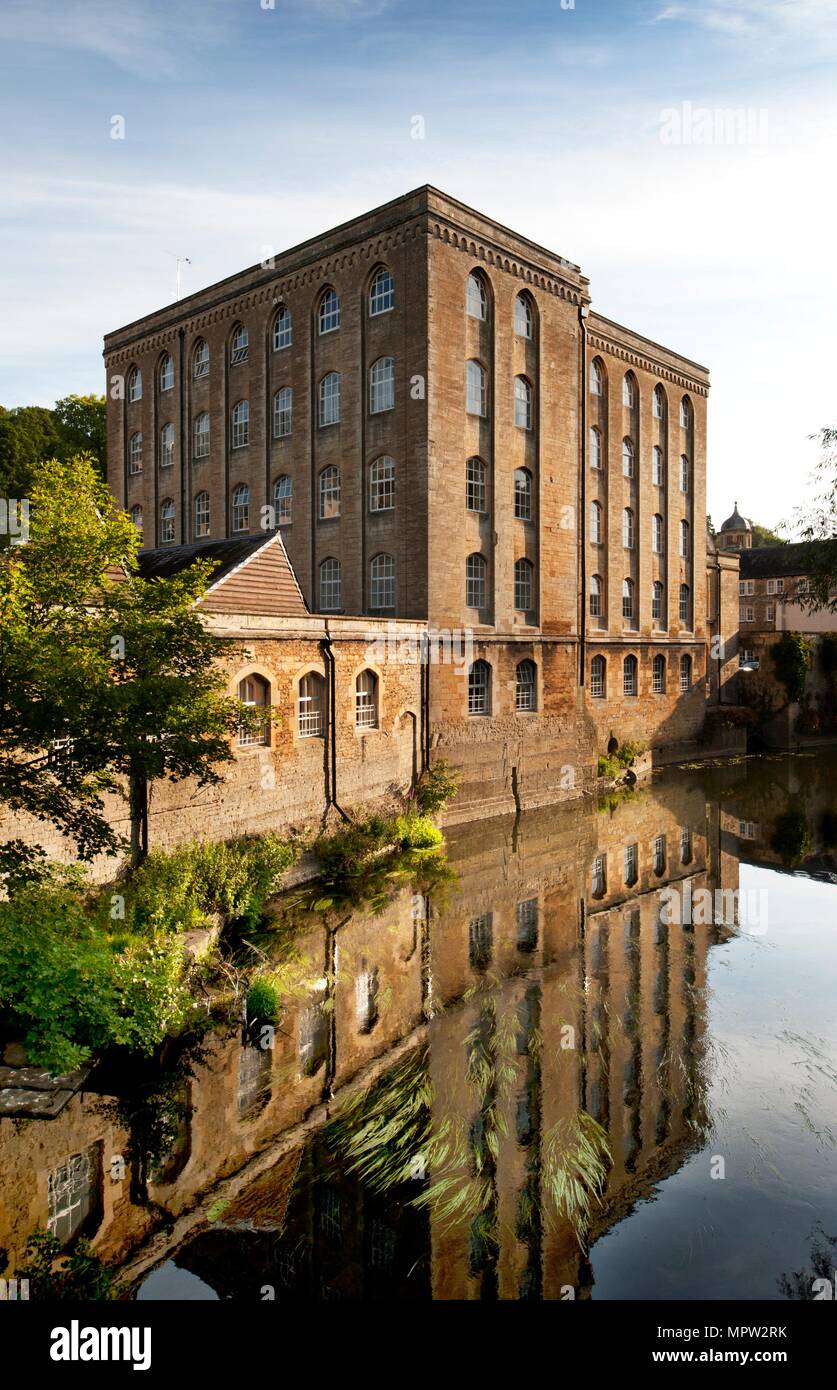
point(526, 686)
point(627, 458)
point(475, 390)
point(657, 601)
point(684, 473)
point(167, 373)
point(382, 485)
point(328, 318)
point(523, 494)
point(685, 604)
point(630, 675)
point(331, 588)
point(595, 447)
point(476, 571)
point(367, 986)
point(382, 385)
point(167, 514)
point(524, 316)
point(330, 399)
point(201, 435)
point(329, 493)
point(598, 678)
point(240, 346)
point(685, 674)
point(524, 572)
point(657, 534)
point(479, 688)
point(658, 404)
point(381, 293)
point(283, 329)
point(135, 453)
point(596, 523)
point(283, 413)
point(382, 582)
point(73, 1197)
point(522, 403)
point(685, 413)
point(241, 508)
point(629, 391)
point(201, 515)
point(658, 675)
point(283, 500)
point(628, 529)
point(476, 296)
point(136, 517)
point(366, 700)
point(200, 359)
point(684, 539)
point(596, 378)
point(310, 706)
point(628, 600)
point(254, 692)
point(475, 485)
point(595, 596)
point(135, 384)
point(240, 433)
point(657, 473)
point(167, 446)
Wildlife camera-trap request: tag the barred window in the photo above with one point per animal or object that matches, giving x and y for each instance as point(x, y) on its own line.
point(366, 1000)
point(382, 485)
point(476, 297)
point(659, 403)
point(523, 585)
point(136, 517)
point(329, 493)
point(522, 494)
point(657, 601)
point(366, 700)
point(254, 692)
point(283, 329)
point(240, 348)
point(685, 604)
point(283, 412)
point(479, 688)
point(135, 453)
point(254, 1067)
point(659, 854)
point(240, 424)
point(330, 399)
point(657, 534)
point(598, 674)
point(522, 403)
point(596, 378)
point(631, 856)
point(241, 508)
point(524, 317)
point(329, 314)
point(200, 359)
point(526, 686)
point(201, 515)
point(527, 925)
point(685, 846)
point(167, 446)
point(310, 705)
point(382, 582)
point(167, 514)
point(475, 392)
point(72, 1195)
point(628, 600)
point(283, 499)
point(684, 539)
point(595, 447)
point(381, 293)
point(598, 876)
point(658, 675)
point(628, 529)
point(685, 674)
point(135, 384)
point(627, 458)
point(475, 485)
point(330, 585)
point(684, 473)
point(481, 941)
point(595, 523)
point(201, 435)
point(595, 596)
point(475, 581)
point(657, 474)
point(630, 676)
point(167, 373)
point(382, 385)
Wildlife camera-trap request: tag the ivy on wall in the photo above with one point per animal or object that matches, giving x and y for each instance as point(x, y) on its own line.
point(792, 658)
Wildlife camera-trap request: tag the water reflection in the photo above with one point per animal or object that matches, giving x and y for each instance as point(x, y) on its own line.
point(473, 1087)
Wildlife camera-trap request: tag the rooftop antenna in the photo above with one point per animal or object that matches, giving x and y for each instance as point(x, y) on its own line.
point(179, 260)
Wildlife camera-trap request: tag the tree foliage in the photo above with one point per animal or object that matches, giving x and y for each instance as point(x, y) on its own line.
point(30, 435)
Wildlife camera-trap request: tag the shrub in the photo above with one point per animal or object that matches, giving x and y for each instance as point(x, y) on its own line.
point(792, 662)
point(436, 786)
point(262, 1001)
point(79, 1276)
point(415, 832)
point(178, 891)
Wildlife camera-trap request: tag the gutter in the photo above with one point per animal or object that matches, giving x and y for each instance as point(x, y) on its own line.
point(331, 728)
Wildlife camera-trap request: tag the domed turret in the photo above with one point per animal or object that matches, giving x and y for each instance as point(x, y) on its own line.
point(736, 533)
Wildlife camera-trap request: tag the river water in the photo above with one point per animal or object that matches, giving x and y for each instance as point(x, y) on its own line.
point(595, 1059)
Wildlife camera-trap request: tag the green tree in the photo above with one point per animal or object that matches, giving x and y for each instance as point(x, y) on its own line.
point(816, 524)
point(762, 535)
point(32, 434)
point(82, 422)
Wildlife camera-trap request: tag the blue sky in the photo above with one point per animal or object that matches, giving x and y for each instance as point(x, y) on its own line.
point(248, 127)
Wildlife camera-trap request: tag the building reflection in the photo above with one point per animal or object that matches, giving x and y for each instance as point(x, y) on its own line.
point(448, 1082)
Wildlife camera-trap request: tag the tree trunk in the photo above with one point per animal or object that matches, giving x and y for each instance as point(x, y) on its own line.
point(139, 817)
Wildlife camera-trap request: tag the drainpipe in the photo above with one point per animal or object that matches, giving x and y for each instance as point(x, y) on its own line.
point(331, 728)
point(185, 508)
point(582, 492)
point(424, 687)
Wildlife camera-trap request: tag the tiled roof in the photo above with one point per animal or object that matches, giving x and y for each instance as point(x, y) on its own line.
point(253, 574)
point(785, 561)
